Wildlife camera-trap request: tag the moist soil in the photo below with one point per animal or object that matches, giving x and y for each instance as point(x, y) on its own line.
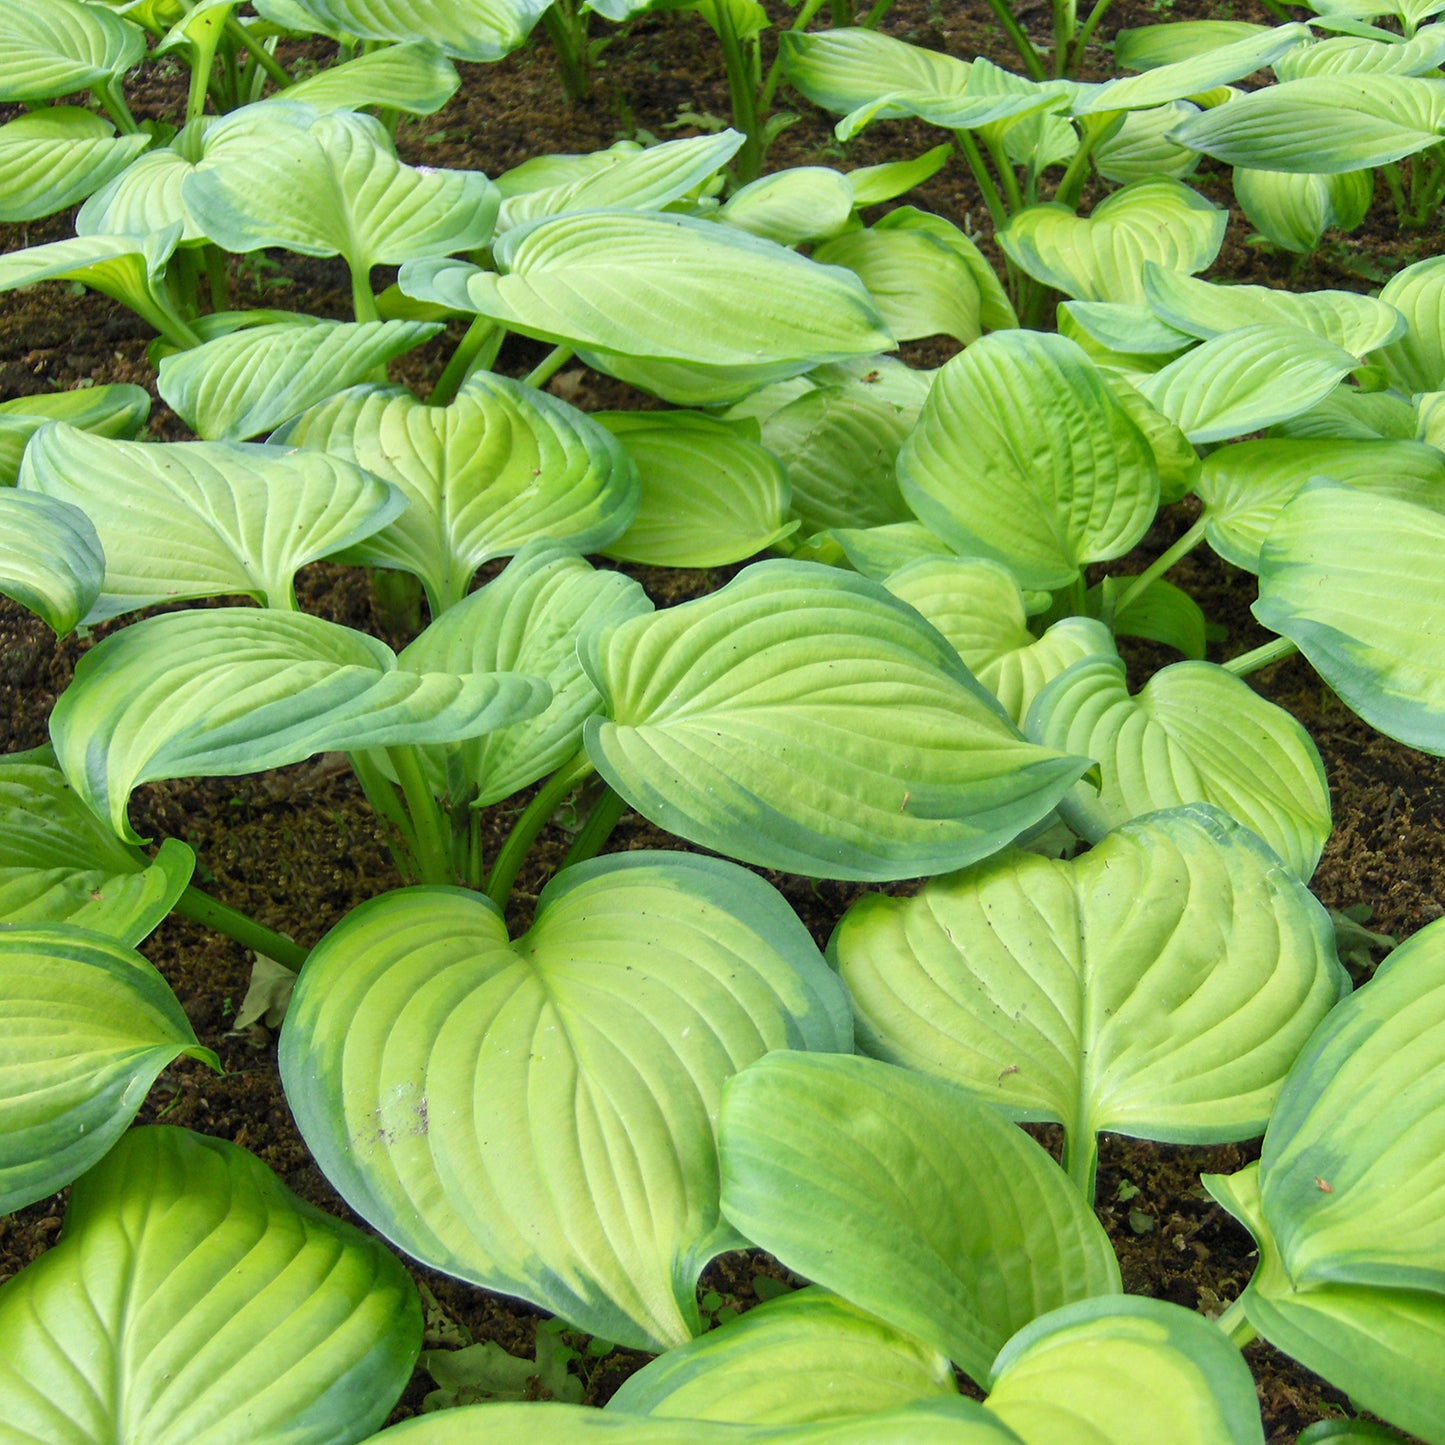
point(297, 848)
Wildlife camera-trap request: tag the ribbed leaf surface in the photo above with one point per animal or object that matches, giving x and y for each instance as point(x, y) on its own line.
point(87, 1025)
point(805, 203)
point(194, 1300)
point(502, 465)
point(909, 1199)
point(464, 29)
point(1023, 454)
point(803, 719)
point(203, 519)
point(118, 410)
point(1193, 734)
point(57, 156)
point(1160, 985)
point(217, 692)
point(414, 76)
point(51, 560)
point(538, 1116)
point(53, 47)
point(1416, 362)
point(1294, 209)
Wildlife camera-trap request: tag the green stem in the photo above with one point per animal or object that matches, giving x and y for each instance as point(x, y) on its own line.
point(567, 30)
point(433, 846)
point(1391, 172)
point(534, 818)
point(400, 837)
point(108, 94)
point(1277, 10)
point(801, 21)
point(1019, 39)
point(202, 908)
point(1161, 564)
point(999, 156)
point(200, 80)
point(217, 277)
point(873, 18)
point(742, 73)
point(606, 813)
point(363, 300)
point(1071, 187)
point(984, 181)
point(548, 367)
point(1066, 19)
point(1081, 1157)
point(1235, 1324)
point(237, 32)
point(841, 12)
point(1261, 656)
point(468, 357)
point(1085, 35)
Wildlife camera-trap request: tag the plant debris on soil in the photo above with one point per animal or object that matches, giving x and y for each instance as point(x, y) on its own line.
point(298, 847)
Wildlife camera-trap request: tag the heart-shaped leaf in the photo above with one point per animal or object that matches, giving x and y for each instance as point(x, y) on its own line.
point(56, 156)
point(87, 1025)
point(503, 464)
point(1193, 734)
point(228, 690)
point(661, 286)
point(527, 620)
point(1353, 579)
point(1159, 986)
point(978, 607)
point(464, 29)
point(908, 1198)
point(808, 1355)
point(804, 719)
point(51, 560)
point(117, 410)
point(204, 519)
point(710, 493)
point(1246, 380)
point(805, 203)
point(192, 1291)
point(1294, 210)
point(538, 1116)
point(1023, 454)
point(1101, 257)
point(249, 382)
point(1141, 147)
point(1345, 1202)
point(59, 46)
point(1118, 1370)
point(1416, 362)
point(63, 865)
point(1245, 487)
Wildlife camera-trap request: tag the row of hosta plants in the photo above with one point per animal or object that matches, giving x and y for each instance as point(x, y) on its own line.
point(922, 683)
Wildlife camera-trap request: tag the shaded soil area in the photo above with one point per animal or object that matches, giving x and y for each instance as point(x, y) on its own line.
point(298, 848)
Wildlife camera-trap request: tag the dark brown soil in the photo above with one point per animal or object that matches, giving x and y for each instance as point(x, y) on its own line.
point(298, 848)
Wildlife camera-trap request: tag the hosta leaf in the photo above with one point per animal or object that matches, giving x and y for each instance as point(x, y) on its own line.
point(1150, 46)
point(123, 267)
point(803, 719)
point(1100, 257)
point(626, 177)
point(118, 410)
point(1176, 459)
point(1161, 612)
point(54, 47)
point(192, 1296)
point(667, 287)
point(526, 620)
point(692, 383)
point(645, 981)
point(87, 1025)
point(1194, 74)
point(50, 558)
point(1125, 328)
point(1416, 362)
point(878, 552)
point(1346, 1200)
point(1355, 55)
point(501, 465)
point(464, 29)
point(1347, 414)
point(710, 493)
point(204, 519)
point(1193, 733)
point(1357, 324)
point(1322, 124)
point(978, 607)
point(413, 76)
point(251, 381)
point(1141, 147)
point(1159, 986)
point(1023, 454)
point(222, 691)
point(1113, 1371)
point(840, 446)
point(1353, 579)
point(875, 77)
point(1245, 380)
point(809, 1355)
point(63, 865)
point(908, 1198)
point(1294, 210)
point(336, 188)
point(951, 1421)
point(1245, 486)
point(57, 156)
point(801, 204)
